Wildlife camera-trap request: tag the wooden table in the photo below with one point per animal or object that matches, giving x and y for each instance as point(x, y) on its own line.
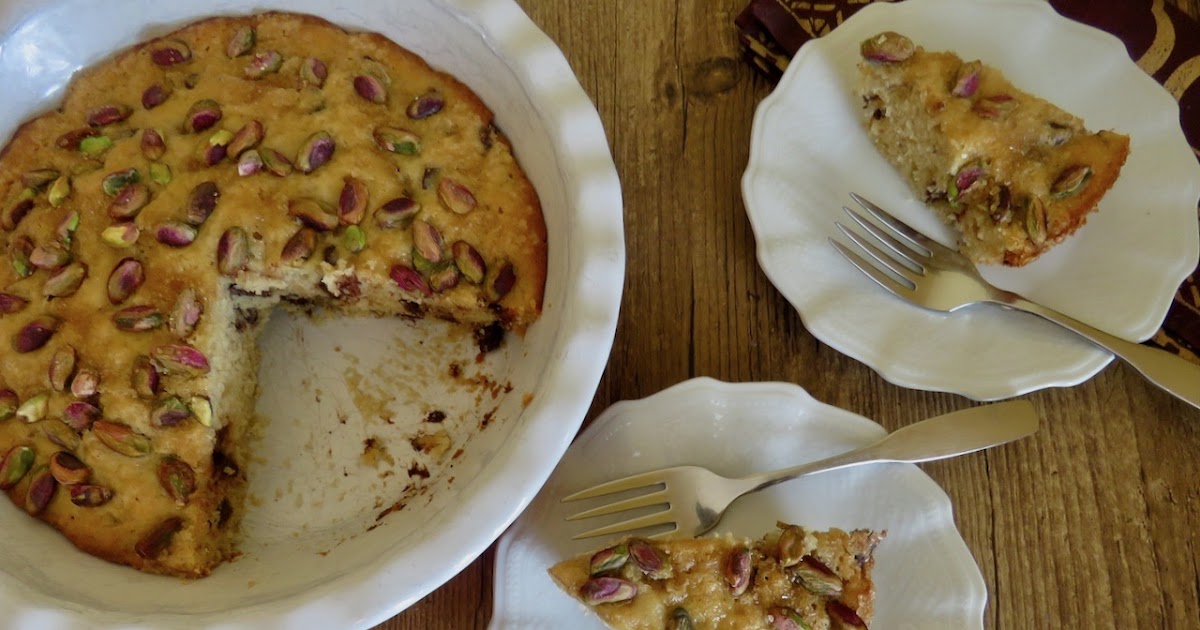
point(1092, 523)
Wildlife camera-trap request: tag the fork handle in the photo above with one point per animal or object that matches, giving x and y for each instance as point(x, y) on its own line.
point(945, 436)
point(1174, 375)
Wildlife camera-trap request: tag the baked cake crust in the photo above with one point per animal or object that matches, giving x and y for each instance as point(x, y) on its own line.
point(1014, 173)
point(792, 578)
point(278, 157)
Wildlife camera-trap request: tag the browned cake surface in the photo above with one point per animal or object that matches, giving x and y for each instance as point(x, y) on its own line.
point(809, 579)
point(1014, 173)
point(449, 227)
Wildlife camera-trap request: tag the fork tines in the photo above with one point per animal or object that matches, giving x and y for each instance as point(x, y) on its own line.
point(897, 271)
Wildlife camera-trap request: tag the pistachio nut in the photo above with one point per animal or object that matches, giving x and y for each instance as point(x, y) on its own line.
point(175, 234)
point(241, 42)
point(72, 139)
point(233, 251)
point(887, 47)
point(170, 52)
point(68, 469)
point(276, 163)
point(38, 179)
point(409, 280)
point(125, 278)
point(160, 173)
point(738, 570)
point(110, 114)
point(966, 80)
point(129, 202)
point(10, 303)
point(50, 256)
point(59, 191)
point(370, 88)
point(469, 262)
point(40, 491)
point(140, 318)
point(248, 137)
point(86, 383)
point(202, 410)
point(144, 378)
point(249, 163)
point(177, 478)
point(65, 230)
point(313, 72)
point(429, 177)
point(121, 235)
point(818, 578)
point(114, 183)
point(121, 438)
point(782, 618)
point(502, 282)
point(19, 250)
point(186, 314)
point(201, 202)
point(1035, 220)
point(608, 559)
point(95, 146)
point(680, 620)
point(313, 213)
point(17, 210)
point(8, 403)
point(214, 150)
point(90, 495)
point(397, 140)
point(34, 408)
point(180, 358)
point(397, 213)
point(352, 203)
point(1071, 181)
point(263, 63)
point(62, 368)
point(15, 464)
point(425, 105)
point(607, 590)
point(300, 246)
point(652, 562)
point(455, 196)
point(66, 281)
point(169, 412)
point(315, 152)
point(156, 541)
point(202, 115)
point(354, 239)
point(155, 95)
point(80, 415)
point(428, 242)
point(994, 107)
point(841, 616)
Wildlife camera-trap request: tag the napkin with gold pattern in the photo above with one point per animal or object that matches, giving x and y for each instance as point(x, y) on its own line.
point(1163, 41)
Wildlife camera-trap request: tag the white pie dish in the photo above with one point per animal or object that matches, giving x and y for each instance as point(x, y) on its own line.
point(316, 556)
point(1118, 273)
point(924, 574)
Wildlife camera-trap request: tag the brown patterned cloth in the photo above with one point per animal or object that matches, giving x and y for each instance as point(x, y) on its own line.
point(1164, 41)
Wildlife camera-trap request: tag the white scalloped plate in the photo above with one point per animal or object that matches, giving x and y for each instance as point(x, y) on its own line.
point(315, 555)
point(1118, 273)
point(925, 576)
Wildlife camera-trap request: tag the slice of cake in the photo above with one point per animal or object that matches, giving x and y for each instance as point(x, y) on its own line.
point(1012, 172)
point(182, 190)
point(792, 579)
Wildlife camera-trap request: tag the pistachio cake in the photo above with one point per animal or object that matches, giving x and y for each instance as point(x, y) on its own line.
point(1014, 173)
point(183, 189)
point(791, 579)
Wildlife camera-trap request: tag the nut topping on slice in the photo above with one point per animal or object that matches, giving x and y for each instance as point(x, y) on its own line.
point(108, 115)
point(144, 378)
point(114, 183)
point(175, 234)
point(160, 173)
point(313, 213)
point(8, 403)
point(19, 250)
point(315, 152)
point(155, 95)
point(59, 191)
point(842, 617)
point(15, 464)
point(156, 541)
point(201, 203)
point(50, 256)
point(177, 478)
point(95, 147)
point(139, 318)
point(887, 47)
point(202, 410)
point(65, 282)
point(203, 114)
point(737, 570)
point(786, 619)
point(966, 81)
point(352, 203)
point(10, 303)
point(34, 409)
point(397, 213)
point(186, 314)
point(129, 202)
point(313, 72)
point(264, 63)
point(86, 383)
point(39, 178)
point(425, 105)
point(607, 590)
point(68, 469)
point(408, 279)
point(300, 246)
point(398, 140)
point(249, 163)
point(455, 197)
point(121, 235)
point(469, 262)
point(370, 88)
point(246, 138)
point(180, 358)
point(121, 438)
point(79, 415)
point(354, 239)
point(171, 52)
point(169, 412)
point(650, 560)
point(502, 282)
point(90, 495)
point(241, 42)
point(608, 559)
point(1071, 181)
point(41, 490)
point(276, 163)
point(233, 251)
point(818, 578)
point(680, 620)
point(17, 210)
point(62, 368)
point(427, 242)
point(125, 278)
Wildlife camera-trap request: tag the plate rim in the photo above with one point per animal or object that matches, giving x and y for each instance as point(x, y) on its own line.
point(1091, 359)
point(704, 386)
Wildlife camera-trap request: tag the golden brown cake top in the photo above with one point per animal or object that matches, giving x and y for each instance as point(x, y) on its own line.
point(276, 152)
point(790, 578)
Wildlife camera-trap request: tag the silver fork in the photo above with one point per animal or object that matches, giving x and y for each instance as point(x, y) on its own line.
point(696, 497)
point(936, 277)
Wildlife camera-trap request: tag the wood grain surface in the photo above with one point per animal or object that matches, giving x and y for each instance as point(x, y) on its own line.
point(1092, 523)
